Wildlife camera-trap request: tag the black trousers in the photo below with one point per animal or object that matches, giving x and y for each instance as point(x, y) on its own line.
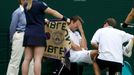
point(113, 67)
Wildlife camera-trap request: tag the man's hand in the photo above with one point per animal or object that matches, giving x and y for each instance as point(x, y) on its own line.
point(80, 27)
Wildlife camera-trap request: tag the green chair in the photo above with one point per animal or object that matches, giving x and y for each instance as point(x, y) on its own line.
point(126, 70)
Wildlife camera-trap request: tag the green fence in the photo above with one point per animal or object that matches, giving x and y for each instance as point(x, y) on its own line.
point(93, 12)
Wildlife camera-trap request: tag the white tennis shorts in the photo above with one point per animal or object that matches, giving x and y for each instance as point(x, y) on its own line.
point(80, 56)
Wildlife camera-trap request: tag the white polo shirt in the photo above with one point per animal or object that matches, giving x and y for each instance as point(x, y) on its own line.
point(110, 43)
point(81, 55)
point(75, 37)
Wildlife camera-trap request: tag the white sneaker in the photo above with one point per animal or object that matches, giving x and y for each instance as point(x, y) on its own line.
point(128, 49)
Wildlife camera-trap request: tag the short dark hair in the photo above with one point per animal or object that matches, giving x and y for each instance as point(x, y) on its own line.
point(19, 1)
point(111, 21)
point(75, 18)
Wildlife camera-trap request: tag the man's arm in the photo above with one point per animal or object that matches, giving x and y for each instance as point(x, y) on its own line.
point(128, 48)
point(75, 46)
point(95, 45)
point(13, 24)
point(83, 43)
point(95, 40)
